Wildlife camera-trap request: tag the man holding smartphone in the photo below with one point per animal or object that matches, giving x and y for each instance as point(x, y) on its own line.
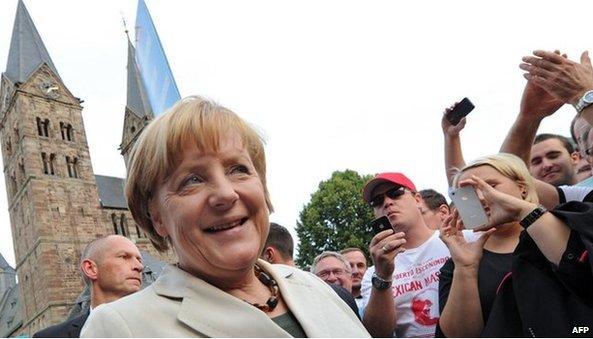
point(401, 290)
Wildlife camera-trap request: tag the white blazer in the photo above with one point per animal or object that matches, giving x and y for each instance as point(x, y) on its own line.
point(179, 304)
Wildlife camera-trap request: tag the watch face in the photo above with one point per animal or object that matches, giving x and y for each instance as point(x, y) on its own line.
point(588, 97)
point(380, 284)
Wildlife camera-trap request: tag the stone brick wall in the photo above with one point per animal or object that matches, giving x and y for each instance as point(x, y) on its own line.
point(141, 240)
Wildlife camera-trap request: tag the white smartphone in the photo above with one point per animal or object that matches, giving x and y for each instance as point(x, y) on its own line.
point(470, 209)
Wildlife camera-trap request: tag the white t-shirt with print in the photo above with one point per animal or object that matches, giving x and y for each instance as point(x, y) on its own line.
point(416, 286)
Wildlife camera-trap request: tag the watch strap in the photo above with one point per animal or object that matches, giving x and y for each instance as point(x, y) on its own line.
point(380, 283)
point(532, 216)
point(582, 103)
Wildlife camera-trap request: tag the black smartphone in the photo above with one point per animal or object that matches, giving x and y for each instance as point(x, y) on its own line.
point(381, 224)
point(459, 111)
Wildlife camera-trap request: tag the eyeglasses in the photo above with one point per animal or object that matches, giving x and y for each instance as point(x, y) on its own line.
point(336, 272)
point(391, 193)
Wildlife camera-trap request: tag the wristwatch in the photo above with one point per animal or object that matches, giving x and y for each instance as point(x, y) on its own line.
point(380, 283)
point(533, 216)
point(585, 101)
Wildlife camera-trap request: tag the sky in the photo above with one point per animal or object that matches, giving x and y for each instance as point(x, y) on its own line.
point(331, 85)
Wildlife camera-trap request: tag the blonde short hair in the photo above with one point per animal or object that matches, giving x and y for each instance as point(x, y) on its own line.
point(158, 152)
point(508, 165)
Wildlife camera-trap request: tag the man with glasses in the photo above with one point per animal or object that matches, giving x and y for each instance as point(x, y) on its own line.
point(401, 289)
point(334, 269)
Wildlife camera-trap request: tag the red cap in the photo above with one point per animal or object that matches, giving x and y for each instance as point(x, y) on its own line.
point(394, 178)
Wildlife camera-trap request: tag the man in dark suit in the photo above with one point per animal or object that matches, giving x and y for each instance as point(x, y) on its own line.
point(68, 329)
point(112, 266)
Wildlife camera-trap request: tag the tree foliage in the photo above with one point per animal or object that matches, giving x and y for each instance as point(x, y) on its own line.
point(336, 217)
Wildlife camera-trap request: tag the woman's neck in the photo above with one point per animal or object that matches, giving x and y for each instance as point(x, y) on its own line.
point(505, 239)
point(225, 280)
point(244, 285)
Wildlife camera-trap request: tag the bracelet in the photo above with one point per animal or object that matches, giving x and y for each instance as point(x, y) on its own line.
point(532, 216)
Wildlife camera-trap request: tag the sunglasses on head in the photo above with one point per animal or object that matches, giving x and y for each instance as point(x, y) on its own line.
point(391, 193)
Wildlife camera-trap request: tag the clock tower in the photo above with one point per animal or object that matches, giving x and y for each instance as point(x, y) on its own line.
point(53, 198)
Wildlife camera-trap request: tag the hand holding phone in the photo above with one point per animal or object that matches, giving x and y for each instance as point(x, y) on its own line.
point(469, 207)
point(381, 224)
point(459, 111)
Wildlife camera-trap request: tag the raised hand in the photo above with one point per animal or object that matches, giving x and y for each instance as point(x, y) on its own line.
point(448, 129)
point(465, 254)
point(537, 103)
point(564, 79)
point(500, 207)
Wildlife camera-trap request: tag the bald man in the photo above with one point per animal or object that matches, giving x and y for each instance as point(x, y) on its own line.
point(112, 266)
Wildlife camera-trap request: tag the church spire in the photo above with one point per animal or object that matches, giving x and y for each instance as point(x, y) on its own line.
point(27, 51)
point(137, 100)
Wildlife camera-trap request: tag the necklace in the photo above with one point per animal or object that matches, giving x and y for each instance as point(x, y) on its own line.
point(267, 280)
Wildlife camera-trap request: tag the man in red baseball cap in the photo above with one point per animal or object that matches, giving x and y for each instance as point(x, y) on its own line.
point(406, 261)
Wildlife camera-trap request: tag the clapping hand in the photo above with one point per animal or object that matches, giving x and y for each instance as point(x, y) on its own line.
point(536, 102)
point(565, 79)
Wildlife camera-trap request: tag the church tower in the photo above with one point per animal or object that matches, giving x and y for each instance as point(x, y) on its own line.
point(52, 191)
point(137, 112)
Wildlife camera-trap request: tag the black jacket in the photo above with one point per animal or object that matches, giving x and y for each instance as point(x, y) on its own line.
point(347, 297)
point(68, 329)
point(541, 300)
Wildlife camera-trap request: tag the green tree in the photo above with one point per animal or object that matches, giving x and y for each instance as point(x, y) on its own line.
point(336, 217)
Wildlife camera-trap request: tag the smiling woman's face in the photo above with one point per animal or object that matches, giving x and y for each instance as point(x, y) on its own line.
point(214, 210)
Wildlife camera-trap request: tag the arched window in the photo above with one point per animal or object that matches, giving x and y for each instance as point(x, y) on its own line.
point(45, 161)
point(52, 164)
point(123, 225)
point(68, 166)
point(39, 127)
point(45, 124)
point(69, 133)
point(114, 220)
point(72, 164)
point(75, 167)
point(62, 130)
point(66, 131)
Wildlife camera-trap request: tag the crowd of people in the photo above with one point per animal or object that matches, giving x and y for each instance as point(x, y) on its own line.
point(197, 183)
